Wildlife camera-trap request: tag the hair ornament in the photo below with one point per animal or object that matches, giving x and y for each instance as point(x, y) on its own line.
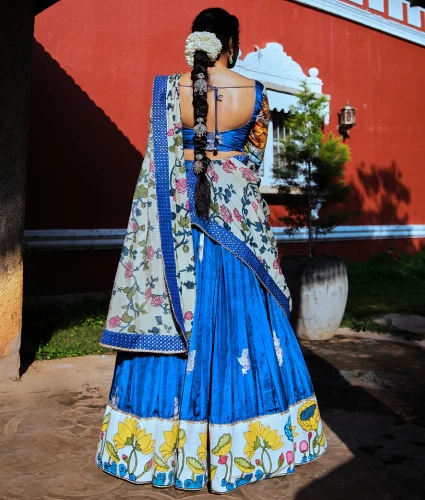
point(200, 129)
point(200, 86)
point(205, 41)
point(198, 166)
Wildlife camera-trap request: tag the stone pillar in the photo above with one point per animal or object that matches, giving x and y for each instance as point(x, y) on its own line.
point(16, 35)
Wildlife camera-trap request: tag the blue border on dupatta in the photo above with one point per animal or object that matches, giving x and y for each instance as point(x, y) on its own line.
point(162, 178)
point(143, 342)
point(236, 246)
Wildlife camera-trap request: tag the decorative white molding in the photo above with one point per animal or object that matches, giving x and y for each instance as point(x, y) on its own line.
point(415, 16)
point(96, 239)
point(74, 239)
point(272, 64)
point(354, 233)
point(282, 77)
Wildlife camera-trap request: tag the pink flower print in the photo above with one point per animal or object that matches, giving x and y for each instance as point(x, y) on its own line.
point(289, 457)
point(280, 270)
point(225, 213)
point(237, 215)
point(187, 205)
point(128, 269)
point(254, 206)
point(157, 301)
point(188, 315)
point(281, 459)
point(151, 166)
point(181, 186)
point(275, 264)
point(228, 166)
point(175, 197)
point(101, 435)
point(295, 446)
point(114, 321)
point(303, 446)
point(260, 259)
point(223, 459)
point(179, 125)
point(247, 174)
point(150, 254)
point(170, 132)
point(148, 293)
point(209, 169)
point(149, 464)
point(310, 434)
point(214, 176)
point(257, 461)
point(124, 456)
point(134, 226)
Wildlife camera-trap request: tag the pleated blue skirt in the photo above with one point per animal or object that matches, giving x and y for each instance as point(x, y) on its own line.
point(239, 408)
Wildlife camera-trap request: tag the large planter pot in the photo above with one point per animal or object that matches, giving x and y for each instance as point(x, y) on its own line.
point(319, 290)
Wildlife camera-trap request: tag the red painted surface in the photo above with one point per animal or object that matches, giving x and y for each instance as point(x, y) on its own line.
point(94, 62)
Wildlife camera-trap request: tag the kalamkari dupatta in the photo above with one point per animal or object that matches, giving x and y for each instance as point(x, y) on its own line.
point(153, 299)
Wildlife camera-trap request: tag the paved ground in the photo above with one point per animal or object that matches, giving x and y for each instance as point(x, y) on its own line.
point(371, 395)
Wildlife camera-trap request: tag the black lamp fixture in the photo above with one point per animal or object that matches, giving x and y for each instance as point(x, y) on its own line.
point(347, 119)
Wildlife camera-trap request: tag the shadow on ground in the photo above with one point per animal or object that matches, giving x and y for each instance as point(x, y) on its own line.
point(370, 395)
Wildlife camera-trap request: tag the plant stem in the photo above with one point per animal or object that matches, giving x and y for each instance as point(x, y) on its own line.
point(310, 236)
point(181, 468)
point(135, 465)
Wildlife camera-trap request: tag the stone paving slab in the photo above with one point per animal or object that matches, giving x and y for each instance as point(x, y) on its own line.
point(370, 392)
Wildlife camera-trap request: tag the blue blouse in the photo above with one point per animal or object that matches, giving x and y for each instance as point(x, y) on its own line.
point(228, 140)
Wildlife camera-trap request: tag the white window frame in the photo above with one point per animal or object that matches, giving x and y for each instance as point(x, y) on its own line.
point(282, 78)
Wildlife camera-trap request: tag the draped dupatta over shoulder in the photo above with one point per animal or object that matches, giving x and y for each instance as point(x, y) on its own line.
point(153, 298)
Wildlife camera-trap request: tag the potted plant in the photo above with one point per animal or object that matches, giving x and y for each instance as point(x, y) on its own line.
point(310, 183)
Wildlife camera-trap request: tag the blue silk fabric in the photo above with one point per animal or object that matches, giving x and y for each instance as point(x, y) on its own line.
point(230, 140)
point(233, 312)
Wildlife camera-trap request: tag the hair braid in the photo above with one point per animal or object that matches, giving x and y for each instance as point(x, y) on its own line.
point(200, 109)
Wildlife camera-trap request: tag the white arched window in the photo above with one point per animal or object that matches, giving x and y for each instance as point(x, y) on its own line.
point(282, 78)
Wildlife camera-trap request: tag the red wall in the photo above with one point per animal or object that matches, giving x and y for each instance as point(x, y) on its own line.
point(93, 66)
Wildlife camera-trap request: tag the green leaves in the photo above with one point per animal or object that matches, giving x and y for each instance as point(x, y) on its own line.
point(243, 464)
point(310, 169)
point(112, 452)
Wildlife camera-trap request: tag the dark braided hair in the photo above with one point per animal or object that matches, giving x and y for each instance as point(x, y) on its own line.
point(224, 26)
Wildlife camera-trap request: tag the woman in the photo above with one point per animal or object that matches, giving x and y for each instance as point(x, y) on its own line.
point(210, 386)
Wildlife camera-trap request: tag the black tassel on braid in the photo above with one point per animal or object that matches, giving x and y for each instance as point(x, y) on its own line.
point(200, 107)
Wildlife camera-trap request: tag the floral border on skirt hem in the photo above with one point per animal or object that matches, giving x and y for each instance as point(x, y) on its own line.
point(190, 455)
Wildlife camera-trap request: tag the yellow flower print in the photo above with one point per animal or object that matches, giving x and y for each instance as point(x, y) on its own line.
point(270, 439)
point(144, 442)
point(171, 437)
point(202, 450)
point(126, 432)
point(308, 415)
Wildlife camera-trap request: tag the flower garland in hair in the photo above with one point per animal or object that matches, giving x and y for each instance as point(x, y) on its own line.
point(205, 41)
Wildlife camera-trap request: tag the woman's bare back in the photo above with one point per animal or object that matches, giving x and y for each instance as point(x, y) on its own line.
point(235, 107)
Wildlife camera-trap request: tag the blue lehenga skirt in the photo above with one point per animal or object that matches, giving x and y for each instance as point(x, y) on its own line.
point(239, 408)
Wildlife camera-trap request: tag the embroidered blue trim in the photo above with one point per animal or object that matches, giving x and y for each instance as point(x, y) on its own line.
point(162, 177)
point(236, 246)
point(143, 342)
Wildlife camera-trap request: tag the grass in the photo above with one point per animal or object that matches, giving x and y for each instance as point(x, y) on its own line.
point(384, 285)
point(63, 329)
point(53, 329)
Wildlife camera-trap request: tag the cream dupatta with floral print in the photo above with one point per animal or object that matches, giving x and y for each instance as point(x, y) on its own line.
point(153, 298)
